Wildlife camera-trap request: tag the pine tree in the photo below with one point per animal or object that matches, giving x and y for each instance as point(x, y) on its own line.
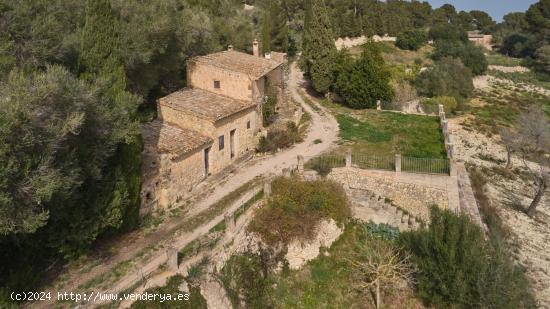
point(318, 46)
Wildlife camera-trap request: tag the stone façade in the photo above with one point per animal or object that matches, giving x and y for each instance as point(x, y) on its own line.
point(207, 126)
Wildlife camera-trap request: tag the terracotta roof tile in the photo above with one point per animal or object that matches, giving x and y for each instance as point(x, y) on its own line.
point(253, 66)
point(164, 138)
point(205, 104)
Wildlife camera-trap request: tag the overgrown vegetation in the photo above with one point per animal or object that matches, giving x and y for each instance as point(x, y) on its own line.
point(362, 82)
point(458, 268)
point(277, 139)
point(388, 133)
point(411, 39)
point(193, 300)
point(448, 77)
point(296, 207)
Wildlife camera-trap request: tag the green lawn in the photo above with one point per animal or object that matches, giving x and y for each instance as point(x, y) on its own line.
point(388, 133)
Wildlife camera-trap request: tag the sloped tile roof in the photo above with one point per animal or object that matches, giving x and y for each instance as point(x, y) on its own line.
point(168, 139)
point(205, 104)
point(235, 61)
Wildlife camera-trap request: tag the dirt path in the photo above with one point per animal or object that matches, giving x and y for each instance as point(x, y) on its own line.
point(323, 127)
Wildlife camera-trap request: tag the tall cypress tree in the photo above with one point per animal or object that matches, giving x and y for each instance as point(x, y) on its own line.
point(274, 27)
point(266, 32)
point(319, 50)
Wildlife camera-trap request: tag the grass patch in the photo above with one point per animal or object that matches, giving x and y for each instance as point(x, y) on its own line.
point(387, 133)
point(296, 207)
point(501, 60)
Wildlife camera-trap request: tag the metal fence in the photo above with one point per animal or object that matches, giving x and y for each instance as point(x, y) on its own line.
point(425, 165)
point(368, 161)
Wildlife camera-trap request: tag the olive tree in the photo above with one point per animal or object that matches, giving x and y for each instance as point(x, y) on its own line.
point(530, 140)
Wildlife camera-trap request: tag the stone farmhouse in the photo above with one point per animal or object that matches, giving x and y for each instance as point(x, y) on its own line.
point(480, 39)
point(209, 125)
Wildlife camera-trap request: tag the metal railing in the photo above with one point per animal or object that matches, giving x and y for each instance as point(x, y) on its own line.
point(368, 161)
point(425, 165)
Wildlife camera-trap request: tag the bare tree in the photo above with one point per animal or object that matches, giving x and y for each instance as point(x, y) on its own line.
point(508, 137)
point(378, 264)
point(531, 142)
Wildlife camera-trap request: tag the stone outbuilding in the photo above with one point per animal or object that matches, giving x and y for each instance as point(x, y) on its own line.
point(207, 126)
point(480, 39)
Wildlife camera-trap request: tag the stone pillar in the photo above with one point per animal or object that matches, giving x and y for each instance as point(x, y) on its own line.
point(378, 105)
point(172, 258)
point(444, 126)
point(267, 189)
point(449, 146)
point(348, 158)
point(441, 109)
point(229, 222)
point(398, 163)
point(300, 164)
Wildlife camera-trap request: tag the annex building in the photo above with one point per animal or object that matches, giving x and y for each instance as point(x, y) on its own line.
point(204, 128)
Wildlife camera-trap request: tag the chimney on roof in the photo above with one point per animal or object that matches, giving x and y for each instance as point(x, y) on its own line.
point(267, 55)
point(255, 48)
point(230, 47)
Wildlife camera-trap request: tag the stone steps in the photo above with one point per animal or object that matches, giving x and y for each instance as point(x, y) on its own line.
point(370, 207)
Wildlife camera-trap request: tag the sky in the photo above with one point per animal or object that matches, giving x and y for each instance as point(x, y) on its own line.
point(496, 8)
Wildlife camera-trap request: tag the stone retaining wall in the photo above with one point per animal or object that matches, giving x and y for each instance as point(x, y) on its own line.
point(411, 196)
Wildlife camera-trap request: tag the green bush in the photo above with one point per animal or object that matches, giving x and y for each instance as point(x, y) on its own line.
point(295, 208)
point(431, 105)
point(448, 77)
point(471, 56)
point(458, 268)
point(411, 39)
point(269, 106)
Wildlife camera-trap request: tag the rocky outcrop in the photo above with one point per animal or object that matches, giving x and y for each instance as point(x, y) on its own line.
point(300, 252)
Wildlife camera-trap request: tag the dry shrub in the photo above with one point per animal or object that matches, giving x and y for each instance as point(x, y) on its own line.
point(279, 139)
point(296, 207)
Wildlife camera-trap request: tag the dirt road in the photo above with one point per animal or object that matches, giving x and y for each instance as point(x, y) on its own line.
point(323, 127)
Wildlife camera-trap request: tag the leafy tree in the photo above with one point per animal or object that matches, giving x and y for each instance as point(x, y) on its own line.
point(483, 21)
point(447, 32)
point(318, 46)
point(444, 15)
point(542, 59)
point(517, 45)
point(411, 39)
point(458, 268)
point(448, 77)
point(470, 55)
point(365, 81)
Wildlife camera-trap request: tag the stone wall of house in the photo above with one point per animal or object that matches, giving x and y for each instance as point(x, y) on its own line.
point(185, 120)
point(414, 198)
point(173, 180)
point(245, 138)
point(232, 84)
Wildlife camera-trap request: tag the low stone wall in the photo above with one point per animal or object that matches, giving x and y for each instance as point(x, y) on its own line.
point(415, 197)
